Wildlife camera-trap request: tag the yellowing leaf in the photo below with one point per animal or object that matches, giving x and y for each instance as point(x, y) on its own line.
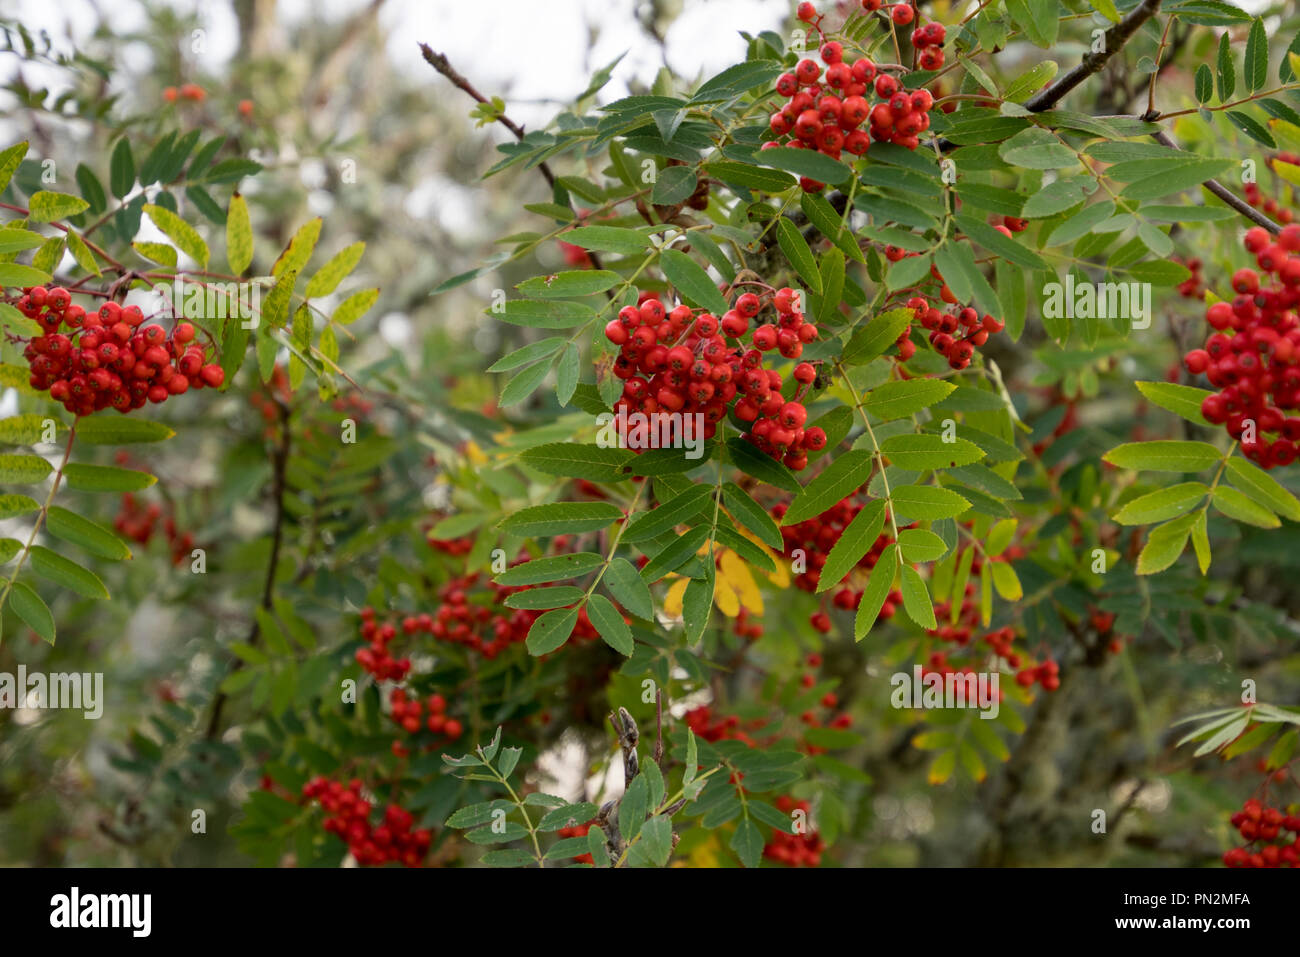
point(942, 766)
point(724, 596)
point(735, 573)
point(781, 577)
point(300, 248)
point(181, 233)
point(672, 606)
point(239, 235)
point(1006, 581)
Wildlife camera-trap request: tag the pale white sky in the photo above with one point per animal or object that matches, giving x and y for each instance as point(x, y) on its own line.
point(520, 49)
point(523, 50)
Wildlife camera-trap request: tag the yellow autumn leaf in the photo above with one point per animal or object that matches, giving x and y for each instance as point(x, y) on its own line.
point(672, 606)
point(1288, 171)
point(735, 573)
point(781, 577)
point(724, 596)
point(734, 587)
point(475, 454)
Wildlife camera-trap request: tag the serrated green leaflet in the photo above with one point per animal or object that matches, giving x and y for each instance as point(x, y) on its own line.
point(551, 569)
point(613, 629)
point(69, 574)
point(85, 533)
point(929, 451)
point(896, 400)
point(114, 429)
point(837, 480)
point(27, 605)
point(1162, 505)
point(855, 541)
point(1164, 456)
point(691, 281)
point(560, 518)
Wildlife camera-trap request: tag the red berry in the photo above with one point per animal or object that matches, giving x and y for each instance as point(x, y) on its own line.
point(616, 332)
point(807, 72)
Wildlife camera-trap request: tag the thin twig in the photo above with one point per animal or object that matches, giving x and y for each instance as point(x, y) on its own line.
point(659, 728)
point(440, 63)
point(1092, 63)
point(279, 466)
point(1225, 194)
point(1151, 88)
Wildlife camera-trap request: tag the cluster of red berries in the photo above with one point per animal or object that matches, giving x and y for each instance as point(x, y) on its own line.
point(796, 850)
point(744, 628)
point(409, 713)
point(138, 522)
point(830, 119)
point(455, 547)
point(673, 361)
point(1253, 358)
point(348, 816)
point(1279, 774)
point(1046, 674)
point(999, 641)
point(928, 39)
point(375, 656)
point(188, 91)
point(1257, 822)
point(1193, 287)
point(715, 727)
point(489, 629)
point(938, 664)
point(461, 620)
point(1104, 622)
point(707, 726)
point(107, 358)
point(954, 335)
point(830, 701)
point(1271, 206)
point(353, 405)
point(815, 537)
point(270, 400)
